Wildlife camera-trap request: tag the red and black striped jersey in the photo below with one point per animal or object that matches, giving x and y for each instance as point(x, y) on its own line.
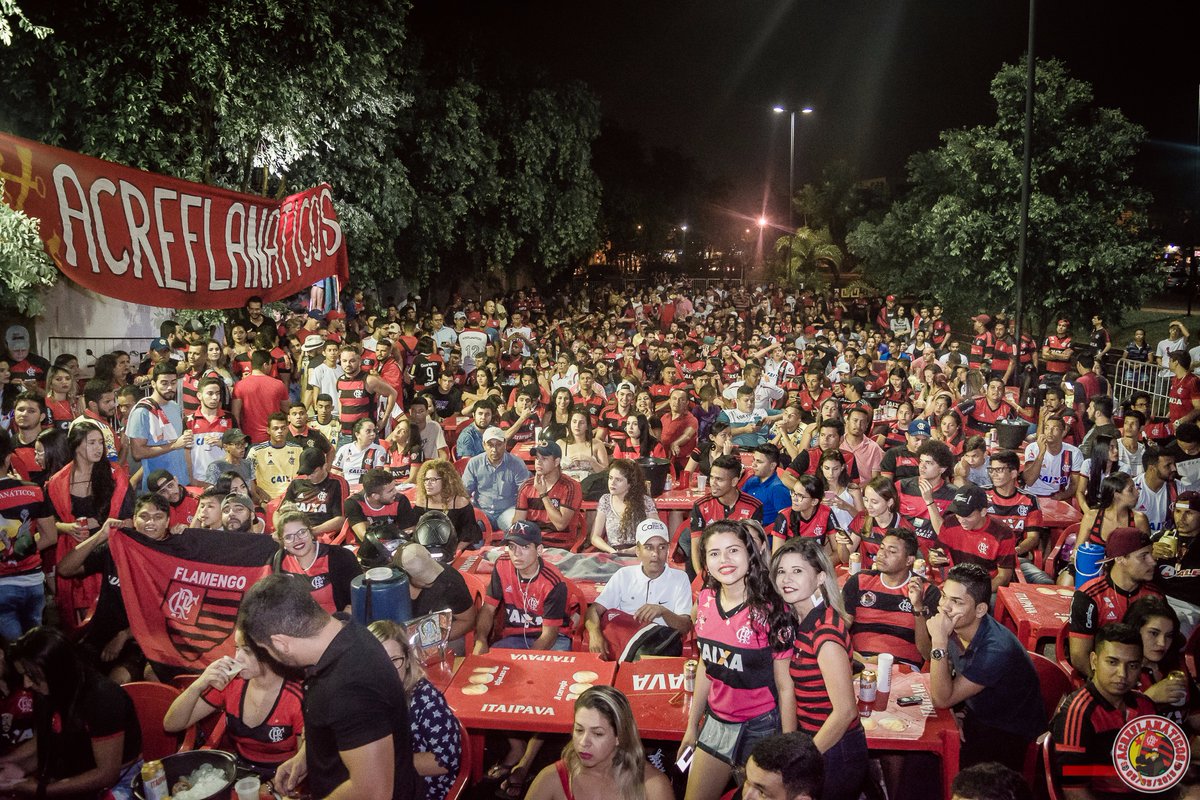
point(1019, 511)
point(1085, 730)
point(980, 418)
point(870, 540)
point(823, 625)
point(899, 463)
point(1100, 601)
point(883, 616)
point(709, 509)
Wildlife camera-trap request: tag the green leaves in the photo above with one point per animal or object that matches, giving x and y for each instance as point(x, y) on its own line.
point(25, 269)
point(954, 234)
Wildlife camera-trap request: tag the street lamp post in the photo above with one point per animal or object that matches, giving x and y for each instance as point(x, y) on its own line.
point(791, 171)
point(683, 258)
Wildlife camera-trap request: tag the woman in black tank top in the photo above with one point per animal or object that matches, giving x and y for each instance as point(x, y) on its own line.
point(1114, 509)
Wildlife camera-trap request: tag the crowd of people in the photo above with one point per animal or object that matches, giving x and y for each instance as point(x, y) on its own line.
point(876, 440)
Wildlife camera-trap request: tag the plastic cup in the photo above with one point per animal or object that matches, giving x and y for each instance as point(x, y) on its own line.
point(247, 788)
point(701, 483)
point(884, 673)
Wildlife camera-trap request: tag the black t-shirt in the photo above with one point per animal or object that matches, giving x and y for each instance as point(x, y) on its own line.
point(1179, 577)
point(445, 404)
point(103, 710)
point(448, 590)
point(109, 618)
point(353, 697)
point(328, 503)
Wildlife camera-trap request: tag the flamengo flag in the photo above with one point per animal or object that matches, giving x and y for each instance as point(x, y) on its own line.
point(182, 594)
point(160, 241)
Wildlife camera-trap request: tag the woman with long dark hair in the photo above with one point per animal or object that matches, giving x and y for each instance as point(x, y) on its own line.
point(87, 740)
point(737, 610)
point(1105, 460)
point(50, 453)
point(87, 493)
point(1162, 655)
point(1114, 509)
point(620, 510)
point(638, 442)
point(557, 420)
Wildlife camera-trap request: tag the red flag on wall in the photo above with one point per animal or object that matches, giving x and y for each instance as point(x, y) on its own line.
point(157, 240)
point(182, 594)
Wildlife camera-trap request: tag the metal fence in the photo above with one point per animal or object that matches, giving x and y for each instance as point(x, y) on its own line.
point(1130, 377)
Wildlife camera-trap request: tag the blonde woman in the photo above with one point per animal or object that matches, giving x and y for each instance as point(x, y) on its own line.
point(619, 512)
point(436, 736)
point(604, 757)
point(440, 488)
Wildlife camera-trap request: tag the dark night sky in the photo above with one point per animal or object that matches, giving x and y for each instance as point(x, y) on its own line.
point(885, 76)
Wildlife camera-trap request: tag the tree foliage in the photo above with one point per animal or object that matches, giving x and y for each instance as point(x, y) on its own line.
point(837, 204)
point(432, 173)
point(25, 269)
point(806, 254)
point(954, 234)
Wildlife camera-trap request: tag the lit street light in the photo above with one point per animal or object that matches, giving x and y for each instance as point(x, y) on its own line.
point(791, 171)
point(683, 257)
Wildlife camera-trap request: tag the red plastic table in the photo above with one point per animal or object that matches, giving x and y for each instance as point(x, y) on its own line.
point(1034, 612)
point(655, 690)
point(529, 690)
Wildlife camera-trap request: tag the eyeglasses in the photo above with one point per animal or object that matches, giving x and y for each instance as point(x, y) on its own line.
point(298, 536)
point(997, 469)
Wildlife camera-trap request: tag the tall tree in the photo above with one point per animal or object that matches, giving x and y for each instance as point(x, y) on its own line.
point(954, 234)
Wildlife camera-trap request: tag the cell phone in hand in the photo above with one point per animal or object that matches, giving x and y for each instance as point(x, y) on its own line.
point(685, 760)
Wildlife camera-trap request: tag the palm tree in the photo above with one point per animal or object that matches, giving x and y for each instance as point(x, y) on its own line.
point(807, 252)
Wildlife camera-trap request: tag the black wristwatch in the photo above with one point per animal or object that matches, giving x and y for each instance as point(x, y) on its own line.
point(937, 654)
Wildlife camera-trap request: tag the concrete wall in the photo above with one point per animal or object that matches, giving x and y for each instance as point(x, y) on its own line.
point(77, 320)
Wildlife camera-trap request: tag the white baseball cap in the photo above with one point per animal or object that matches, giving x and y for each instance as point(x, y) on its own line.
point(647, 529)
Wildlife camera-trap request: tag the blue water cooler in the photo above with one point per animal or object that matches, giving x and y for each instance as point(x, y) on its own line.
point(1087, 562)
point(380, 593)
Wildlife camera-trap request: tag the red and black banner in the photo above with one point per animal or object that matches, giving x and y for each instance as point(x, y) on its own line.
point(182, 594)
point(156, 240)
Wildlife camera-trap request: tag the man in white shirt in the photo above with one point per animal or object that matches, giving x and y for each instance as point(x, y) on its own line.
point(765, 394)
point(1157, 487)
point(651, 592)
point(520, 331)
point(1177, 339)
point(323, 377)
point(1052, 466)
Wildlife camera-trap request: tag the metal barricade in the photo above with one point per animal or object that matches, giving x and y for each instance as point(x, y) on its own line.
point(1131, 377)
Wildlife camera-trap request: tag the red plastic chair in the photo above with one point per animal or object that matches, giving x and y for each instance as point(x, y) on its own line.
point(478, 589)
point(685, 526)
point(464, 765)
point(1062, 654)
point(1054, 682)
point(151, 701)
point(577, 607)
point(1050, 785)
point(460, 464)
point(1051, 564)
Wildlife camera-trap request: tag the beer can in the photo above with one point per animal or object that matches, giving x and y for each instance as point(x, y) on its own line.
point(154, 781)
point(867, 688)
point(918, 567)
point(689, 675)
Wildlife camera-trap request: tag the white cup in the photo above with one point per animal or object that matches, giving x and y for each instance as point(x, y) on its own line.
point(883, 674)
point(701, 482)
point(247, 788)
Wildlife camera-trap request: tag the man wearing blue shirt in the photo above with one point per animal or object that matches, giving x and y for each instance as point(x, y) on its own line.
point(978, 662)
point(470, 440)
point(493, 479)
point(745, 421)
point(765, 485)
point(155, 429)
